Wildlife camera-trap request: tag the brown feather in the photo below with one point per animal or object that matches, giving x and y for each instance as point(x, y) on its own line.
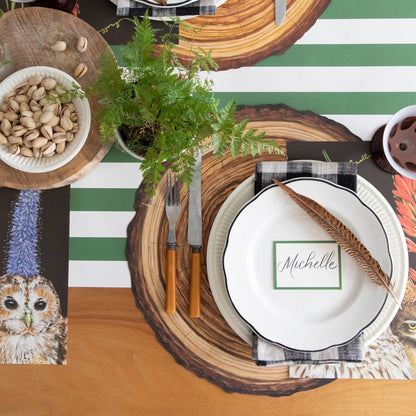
point(344, 237)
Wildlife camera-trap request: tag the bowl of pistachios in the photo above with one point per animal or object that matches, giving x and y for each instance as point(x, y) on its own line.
point(44, 119)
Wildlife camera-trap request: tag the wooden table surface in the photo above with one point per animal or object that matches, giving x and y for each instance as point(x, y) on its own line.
point(116, 367)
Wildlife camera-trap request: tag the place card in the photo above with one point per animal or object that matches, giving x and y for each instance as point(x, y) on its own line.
point(307, 265)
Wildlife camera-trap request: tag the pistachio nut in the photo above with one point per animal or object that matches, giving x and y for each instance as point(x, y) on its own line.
point(6, 126)
point(48, 84)
point(35, 79)
point(39, 94)
point(15, 140)
point(80, 70)
point(60, 147)
point(58, 46)
point(28, 122)
point(25, 151)
point(82, 44)
point(46, 116)
point(66, 123)
point(39, 142)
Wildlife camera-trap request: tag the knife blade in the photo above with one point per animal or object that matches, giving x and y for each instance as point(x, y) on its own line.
point(195, 237)
point(279, 11)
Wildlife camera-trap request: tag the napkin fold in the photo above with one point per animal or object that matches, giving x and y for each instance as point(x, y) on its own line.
point(268, 354)
point(135, 8)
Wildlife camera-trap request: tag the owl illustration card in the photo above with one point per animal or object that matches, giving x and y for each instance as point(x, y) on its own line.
point(34, 245)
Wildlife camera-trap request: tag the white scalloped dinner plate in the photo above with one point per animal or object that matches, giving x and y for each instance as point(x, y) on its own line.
point(82, 107)
point(314, 319)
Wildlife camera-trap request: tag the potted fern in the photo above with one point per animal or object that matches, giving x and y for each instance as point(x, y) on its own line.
point(163, 110)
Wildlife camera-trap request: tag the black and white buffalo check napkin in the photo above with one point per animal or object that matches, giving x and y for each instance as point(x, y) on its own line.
point(135, 8)
point(266, 353)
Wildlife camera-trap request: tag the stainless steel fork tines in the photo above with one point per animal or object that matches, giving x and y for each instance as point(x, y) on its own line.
point(172, 207)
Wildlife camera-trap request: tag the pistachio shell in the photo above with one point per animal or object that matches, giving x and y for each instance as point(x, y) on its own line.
point(35, 79)
point(43, 102)
point(82, 44)
point(50, 107)
point(18, 131)
point(36, 152)
point(50, 148)
point(15, 149)
point(13, 105)
point(60, 147)
point(27, 143)
point(31, 135)
point(80, 70)
point(24, 106)
point(46, 116)
point(39, 142)
point(75, 128)
point(34, 106)
point(48, 154)
point(25, 151)
point(74, 116)
point(31, 90)
point(48, 83)
point(5, 126)
point(58, 46)
point(28, 122)
point(15, 140)
point(11, 116)
point(22, 88)
point(27, 114)
point(54, 121)
point(66, 123)
point(22, 98)
point(46, 132)
point(39, 94)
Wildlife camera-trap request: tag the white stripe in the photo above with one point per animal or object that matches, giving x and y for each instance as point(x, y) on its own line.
point(99, 224)
point(112, 175)
point(99, 274)
point(360, 31)
point(362, 125)
point(316, 79)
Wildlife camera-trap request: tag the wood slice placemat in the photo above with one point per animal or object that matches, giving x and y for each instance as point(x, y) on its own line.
point(28, 33)
point(243, 32)
point(207, 346)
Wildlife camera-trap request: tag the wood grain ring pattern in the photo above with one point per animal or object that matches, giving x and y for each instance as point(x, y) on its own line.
point(207, 346)
point(243, 33)
point(29, 33)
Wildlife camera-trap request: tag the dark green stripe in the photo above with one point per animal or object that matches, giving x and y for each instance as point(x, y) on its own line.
point(112, 249)
point(370, 9)
point(344, 55)
point(328, 102)
point(115, 154)
point(89, 199)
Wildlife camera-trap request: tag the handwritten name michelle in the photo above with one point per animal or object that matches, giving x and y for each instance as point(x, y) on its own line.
point(312, 261)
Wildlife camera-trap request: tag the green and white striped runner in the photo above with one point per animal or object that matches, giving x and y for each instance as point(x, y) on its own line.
point(356, 65)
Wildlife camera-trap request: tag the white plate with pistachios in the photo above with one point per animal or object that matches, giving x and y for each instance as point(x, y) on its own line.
point(41, 126)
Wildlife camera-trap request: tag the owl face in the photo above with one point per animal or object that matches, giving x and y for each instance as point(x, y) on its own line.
point(28, 306)
point(404, 323)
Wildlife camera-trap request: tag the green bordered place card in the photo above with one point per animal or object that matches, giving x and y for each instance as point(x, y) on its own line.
point(307, 265)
